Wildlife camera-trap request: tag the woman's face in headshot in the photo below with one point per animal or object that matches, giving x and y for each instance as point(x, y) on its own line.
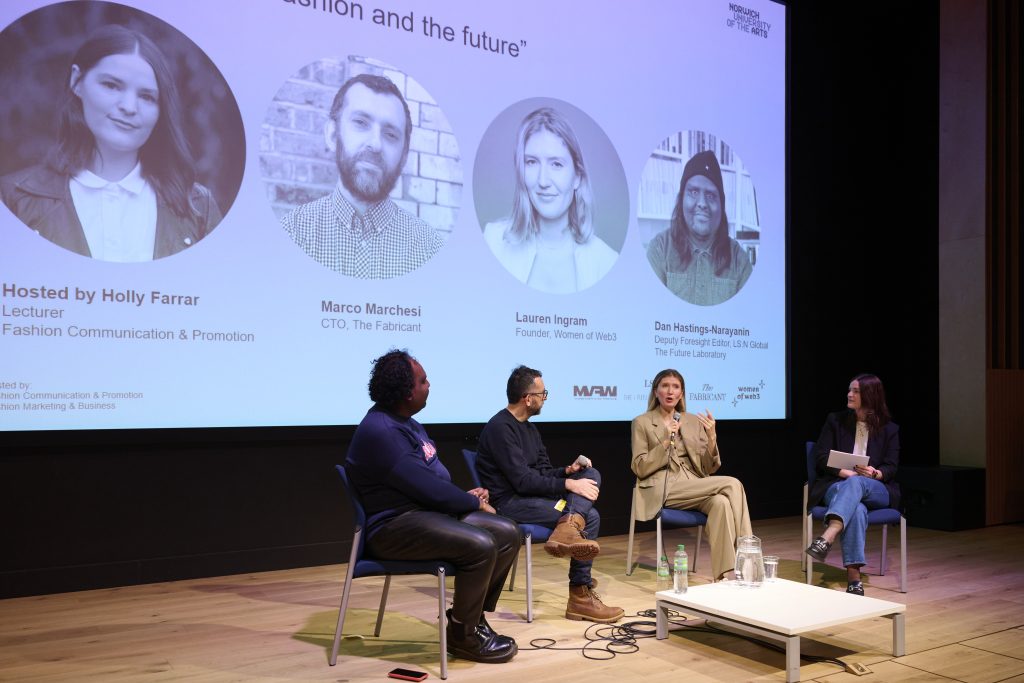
point(702, 207)
point(550, 174)
point(120, 101)
point(669, 391)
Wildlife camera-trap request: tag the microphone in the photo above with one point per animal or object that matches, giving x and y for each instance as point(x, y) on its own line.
point(675, 416)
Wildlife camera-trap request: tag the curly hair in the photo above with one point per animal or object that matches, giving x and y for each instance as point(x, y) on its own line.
point(391, 379)
point(519, 382)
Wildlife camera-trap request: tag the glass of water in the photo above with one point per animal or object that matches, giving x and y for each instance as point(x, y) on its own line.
point(771, 567)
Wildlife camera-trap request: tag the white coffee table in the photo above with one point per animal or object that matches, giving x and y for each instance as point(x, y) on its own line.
point(779, 610)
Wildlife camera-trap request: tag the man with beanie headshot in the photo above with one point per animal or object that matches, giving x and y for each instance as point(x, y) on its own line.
point(695, 257)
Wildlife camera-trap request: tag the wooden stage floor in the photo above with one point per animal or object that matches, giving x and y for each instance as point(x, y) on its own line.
point(965, 622)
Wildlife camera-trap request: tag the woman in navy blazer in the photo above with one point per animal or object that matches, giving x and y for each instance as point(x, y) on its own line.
point(863, 428)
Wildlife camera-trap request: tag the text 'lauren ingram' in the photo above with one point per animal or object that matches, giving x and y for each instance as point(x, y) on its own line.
point(564, 321)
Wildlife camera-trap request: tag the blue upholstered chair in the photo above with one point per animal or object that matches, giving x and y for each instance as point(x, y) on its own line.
point(883, 517)
point(528, 532)
point(359, 566)
point(672, 519)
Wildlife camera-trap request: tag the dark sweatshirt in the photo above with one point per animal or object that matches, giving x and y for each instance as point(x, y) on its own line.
point(513, 461)
point(394, 467)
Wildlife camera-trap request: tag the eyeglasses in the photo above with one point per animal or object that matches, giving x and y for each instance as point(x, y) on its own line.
point(543, 394)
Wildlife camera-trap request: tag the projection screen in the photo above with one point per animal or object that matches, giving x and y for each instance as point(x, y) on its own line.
point(191, 238)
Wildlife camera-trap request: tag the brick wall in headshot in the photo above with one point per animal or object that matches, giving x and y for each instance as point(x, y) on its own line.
point(297, 166)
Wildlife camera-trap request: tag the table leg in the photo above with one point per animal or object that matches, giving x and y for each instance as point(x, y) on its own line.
point(792, 659)
point(661, 615)
point(899, 645)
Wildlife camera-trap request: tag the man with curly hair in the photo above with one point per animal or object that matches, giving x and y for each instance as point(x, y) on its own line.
point(415, 512)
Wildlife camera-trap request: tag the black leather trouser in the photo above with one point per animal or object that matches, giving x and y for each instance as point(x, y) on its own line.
point(482, 547)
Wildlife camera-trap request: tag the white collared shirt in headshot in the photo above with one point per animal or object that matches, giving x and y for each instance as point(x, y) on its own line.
point(118, 217)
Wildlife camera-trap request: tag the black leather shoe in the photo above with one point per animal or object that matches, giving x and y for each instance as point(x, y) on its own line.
point(485, 628)
point(855, 588)
point(819, 549)
point(476, 645)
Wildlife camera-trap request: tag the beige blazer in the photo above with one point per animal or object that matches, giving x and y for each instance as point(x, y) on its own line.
point(651, 457)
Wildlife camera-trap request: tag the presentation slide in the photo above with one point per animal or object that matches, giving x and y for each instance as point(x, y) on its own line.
point(217, 214)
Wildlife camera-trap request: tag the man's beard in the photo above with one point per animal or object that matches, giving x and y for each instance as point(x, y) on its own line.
point(363, 185)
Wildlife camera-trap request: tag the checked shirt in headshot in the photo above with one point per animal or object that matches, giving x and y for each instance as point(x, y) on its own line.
point(357, 230)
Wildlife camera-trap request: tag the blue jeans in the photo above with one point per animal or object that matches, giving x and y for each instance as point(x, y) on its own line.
point(850, 499)
point(542, 512)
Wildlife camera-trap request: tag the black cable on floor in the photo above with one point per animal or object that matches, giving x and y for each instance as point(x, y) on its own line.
point(606, 641)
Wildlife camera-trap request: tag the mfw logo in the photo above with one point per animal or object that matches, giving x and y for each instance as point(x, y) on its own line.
point(594, 391)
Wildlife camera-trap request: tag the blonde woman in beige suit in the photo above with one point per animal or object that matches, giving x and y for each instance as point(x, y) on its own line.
point(675, 454)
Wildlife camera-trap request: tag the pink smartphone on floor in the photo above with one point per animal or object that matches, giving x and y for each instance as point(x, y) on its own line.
point(407, 674)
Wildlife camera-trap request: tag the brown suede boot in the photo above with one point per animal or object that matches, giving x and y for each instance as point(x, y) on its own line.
point(568, 539)
point(585, 605)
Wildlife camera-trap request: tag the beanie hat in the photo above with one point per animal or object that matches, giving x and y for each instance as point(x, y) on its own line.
point(705, 164)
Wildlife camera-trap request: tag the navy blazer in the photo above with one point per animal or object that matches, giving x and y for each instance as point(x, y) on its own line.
point(838, 434)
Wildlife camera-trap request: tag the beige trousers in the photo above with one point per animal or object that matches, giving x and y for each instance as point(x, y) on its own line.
point(723, 500)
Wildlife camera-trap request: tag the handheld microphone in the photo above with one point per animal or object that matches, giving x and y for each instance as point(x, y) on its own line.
point(675, 416)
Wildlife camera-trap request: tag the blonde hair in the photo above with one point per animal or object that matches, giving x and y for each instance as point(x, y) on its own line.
point(523, 222)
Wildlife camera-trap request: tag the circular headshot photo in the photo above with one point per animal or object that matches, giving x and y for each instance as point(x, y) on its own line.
point(124, 142)
point(362, 168)
point(551, 196)
point(697, 217)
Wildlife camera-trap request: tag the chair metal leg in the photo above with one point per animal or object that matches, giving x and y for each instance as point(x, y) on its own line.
point(803, 543)
point(903, 554)
point(442, 631)
point(805, 532)
point(885, 547)
point(383, 604)
point(808, 561)
point(345, 592)
point(529, 578)
point(629, 545)
point(660, 548)
point(341, 619)
point(696, 549)
point(512, 574)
